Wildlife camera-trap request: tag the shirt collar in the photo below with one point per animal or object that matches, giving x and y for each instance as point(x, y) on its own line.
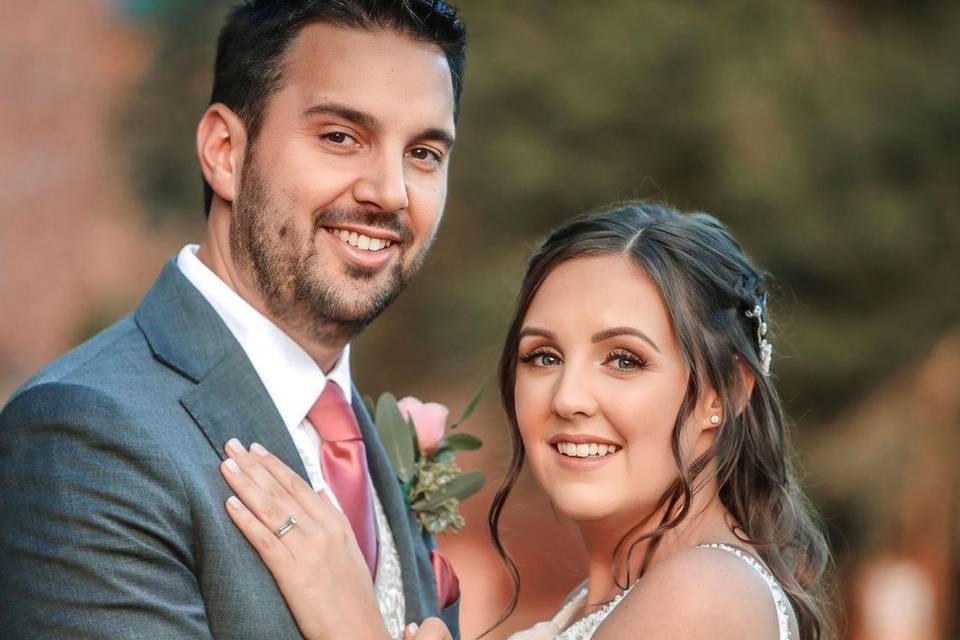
point(292, 378)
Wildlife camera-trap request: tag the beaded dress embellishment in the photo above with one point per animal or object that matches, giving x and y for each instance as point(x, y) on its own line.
point(586, 626)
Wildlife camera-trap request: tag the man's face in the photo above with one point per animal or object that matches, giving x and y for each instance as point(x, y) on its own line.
point(342, 191)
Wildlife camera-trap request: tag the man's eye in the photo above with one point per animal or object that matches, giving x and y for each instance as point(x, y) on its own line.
point(338, 137)
point(422, 153)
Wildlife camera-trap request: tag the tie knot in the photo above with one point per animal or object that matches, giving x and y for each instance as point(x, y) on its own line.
point(332, 417)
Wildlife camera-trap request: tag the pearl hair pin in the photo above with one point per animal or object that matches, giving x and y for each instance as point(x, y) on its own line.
point(764, 346)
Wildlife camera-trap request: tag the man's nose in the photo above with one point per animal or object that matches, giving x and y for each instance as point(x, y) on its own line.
point(383, 184)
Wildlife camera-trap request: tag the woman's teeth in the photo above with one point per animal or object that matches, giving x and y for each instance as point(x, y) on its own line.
point(592, 450)
point(361, 241)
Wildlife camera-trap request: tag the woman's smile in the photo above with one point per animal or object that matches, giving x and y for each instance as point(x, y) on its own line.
point(583, 452)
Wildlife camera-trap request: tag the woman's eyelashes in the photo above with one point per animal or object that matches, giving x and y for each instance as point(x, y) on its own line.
point(624, 360)
point(620, 360)
point(539, 358)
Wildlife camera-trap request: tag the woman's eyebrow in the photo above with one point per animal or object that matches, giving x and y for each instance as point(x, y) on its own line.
point(606, 334)
point(536, 331)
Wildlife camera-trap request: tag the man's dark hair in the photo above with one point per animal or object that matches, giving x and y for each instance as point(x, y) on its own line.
point(257, 34)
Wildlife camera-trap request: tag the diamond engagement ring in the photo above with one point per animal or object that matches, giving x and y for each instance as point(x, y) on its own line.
point(285, 529)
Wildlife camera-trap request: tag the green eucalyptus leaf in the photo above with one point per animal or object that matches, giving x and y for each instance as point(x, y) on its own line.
point(461, 488)
point(368, 403)
point(443, 454)
point(471, 406)
point(413, 438)
point(395, 435)
point(463, 442)
point(407, 488)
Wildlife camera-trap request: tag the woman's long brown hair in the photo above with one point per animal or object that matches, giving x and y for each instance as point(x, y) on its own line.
point(708, 285)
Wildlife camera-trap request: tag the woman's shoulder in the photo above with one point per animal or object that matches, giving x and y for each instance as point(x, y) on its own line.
point(703, 592)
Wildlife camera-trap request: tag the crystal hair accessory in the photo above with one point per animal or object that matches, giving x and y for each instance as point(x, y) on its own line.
point(763, 345)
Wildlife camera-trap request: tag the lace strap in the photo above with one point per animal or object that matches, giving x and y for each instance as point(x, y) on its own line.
point(779, 597)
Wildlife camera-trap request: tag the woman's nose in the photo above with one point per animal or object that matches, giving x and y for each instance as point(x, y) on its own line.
point(573, 395)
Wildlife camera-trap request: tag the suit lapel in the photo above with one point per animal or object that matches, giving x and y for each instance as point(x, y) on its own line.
point(419, 589)
point(229, 401)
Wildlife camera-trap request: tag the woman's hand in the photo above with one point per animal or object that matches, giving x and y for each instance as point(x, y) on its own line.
point(317, 563)
point(431, 629)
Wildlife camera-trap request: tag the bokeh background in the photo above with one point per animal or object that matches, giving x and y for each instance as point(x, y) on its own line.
point(826, 134)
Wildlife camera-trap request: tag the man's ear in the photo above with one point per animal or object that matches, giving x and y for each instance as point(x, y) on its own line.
point(221, 141)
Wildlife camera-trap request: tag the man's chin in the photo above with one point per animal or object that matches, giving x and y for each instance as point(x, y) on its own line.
point(356, 302)
point(366, 274)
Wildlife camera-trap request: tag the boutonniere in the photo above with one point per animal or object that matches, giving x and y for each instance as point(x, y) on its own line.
point(422, 450)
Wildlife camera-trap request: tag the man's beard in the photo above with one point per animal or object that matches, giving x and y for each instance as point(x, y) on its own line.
point(272, 255)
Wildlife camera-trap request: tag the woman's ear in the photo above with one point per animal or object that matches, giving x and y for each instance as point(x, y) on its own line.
point(714, 412)
point(221, 140)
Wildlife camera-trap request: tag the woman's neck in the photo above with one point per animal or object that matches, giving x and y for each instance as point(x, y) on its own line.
point(607, 575)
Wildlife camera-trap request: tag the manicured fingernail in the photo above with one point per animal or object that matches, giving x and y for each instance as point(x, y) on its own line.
point(413, 627)
point(232, 465)
point(234, 503)
point(258, 449)
point(234, 445)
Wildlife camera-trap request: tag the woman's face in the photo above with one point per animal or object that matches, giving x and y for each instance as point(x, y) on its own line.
point(600, 380)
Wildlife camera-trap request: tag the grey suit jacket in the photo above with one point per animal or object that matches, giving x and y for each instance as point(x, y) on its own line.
point(112, 521)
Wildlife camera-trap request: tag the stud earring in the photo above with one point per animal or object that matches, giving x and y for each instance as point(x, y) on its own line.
point(714, 420)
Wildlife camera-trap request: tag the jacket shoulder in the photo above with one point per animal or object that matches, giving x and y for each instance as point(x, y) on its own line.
point(110, 362)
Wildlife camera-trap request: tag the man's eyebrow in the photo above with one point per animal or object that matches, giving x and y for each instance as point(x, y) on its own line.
point(440, 135)
point(623, 331)
point(362, 118)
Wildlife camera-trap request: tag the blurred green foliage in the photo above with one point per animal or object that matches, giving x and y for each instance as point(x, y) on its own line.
point(826, 134)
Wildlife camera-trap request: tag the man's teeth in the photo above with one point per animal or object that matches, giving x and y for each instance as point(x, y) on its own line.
point(361, 241)
point(592, 450)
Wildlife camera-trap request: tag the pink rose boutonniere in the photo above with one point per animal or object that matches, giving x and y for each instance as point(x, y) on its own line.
point(429, 421)
point(422, 451)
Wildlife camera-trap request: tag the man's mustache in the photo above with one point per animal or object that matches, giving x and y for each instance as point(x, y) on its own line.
point(340, 217)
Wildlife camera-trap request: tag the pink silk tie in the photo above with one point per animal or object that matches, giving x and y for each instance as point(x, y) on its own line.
point(344, 461)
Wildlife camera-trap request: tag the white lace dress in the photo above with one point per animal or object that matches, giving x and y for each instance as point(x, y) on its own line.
point(560, 628)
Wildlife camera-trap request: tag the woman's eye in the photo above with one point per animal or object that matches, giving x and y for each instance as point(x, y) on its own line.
point(338, 137)
point(540, 359)
point(625, 361)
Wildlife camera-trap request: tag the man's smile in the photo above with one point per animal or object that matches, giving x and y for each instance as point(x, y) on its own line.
point(361, 249)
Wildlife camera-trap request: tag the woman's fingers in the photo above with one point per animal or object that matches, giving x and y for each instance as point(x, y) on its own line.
point(430, 629)
point(314, 503)
point(258, 491)
point(274, 553)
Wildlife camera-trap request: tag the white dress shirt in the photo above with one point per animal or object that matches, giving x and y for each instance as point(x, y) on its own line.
point(294, 382)
point(292, 378)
